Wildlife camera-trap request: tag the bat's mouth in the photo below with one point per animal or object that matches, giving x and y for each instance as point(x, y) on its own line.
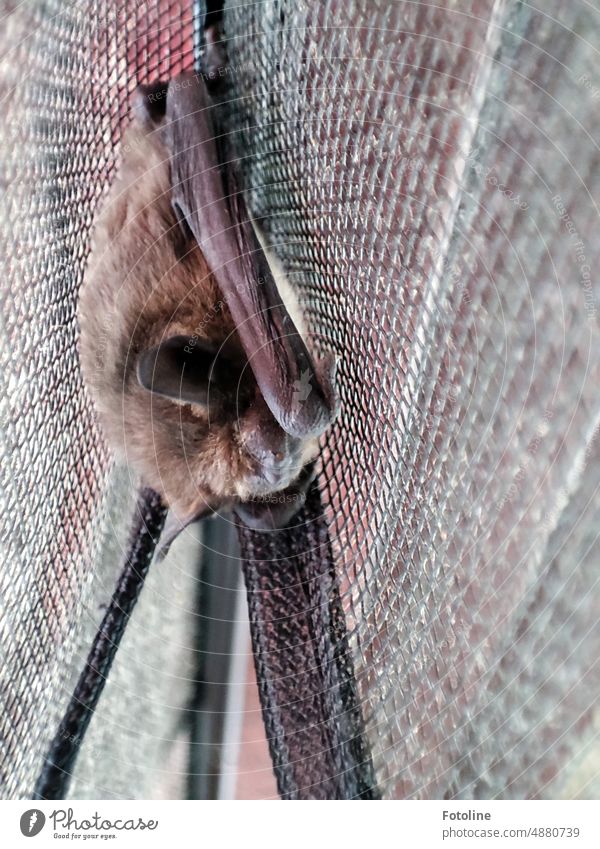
point(273, 475)
point(276, 510)
point(276, 459)
point(269, 511)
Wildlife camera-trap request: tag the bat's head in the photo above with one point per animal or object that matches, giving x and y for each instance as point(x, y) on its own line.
point(201, 377)
point(216, 441)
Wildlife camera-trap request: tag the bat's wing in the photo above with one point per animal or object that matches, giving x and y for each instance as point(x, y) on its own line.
point(208, 198)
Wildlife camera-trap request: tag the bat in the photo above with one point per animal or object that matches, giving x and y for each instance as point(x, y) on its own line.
point(191, 347)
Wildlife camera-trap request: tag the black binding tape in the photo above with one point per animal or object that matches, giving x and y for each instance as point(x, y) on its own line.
point(55, 777)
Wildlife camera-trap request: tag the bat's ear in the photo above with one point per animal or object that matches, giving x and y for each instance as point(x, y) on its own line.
point(207, 192)
point(150, 104)
point(183, 368)
point(176, 523)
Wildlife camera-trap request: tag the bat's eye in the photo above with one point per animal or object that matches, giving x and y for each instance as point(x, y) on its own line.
point(184, 369)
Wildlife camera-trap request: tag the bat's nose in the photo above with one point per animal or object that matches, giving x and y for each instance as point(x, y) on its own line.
point(274, 452)
point(270, 463)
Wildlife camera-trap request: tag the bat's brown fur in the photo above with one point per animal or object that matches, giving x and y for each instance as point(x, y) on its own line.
point(146, 283)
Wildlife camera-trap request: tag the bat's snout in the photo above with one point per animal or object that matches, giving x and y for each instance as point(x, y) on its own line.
point(276, 457)
point(273, 511)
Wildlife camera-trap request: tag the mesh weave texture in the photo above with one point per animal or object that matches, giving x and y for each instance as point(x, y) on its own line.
point(429, 175)
point(67, 71)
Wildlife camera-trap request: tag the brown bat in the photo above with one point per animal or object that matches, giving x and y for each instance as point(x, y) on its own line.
point(199, 374)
